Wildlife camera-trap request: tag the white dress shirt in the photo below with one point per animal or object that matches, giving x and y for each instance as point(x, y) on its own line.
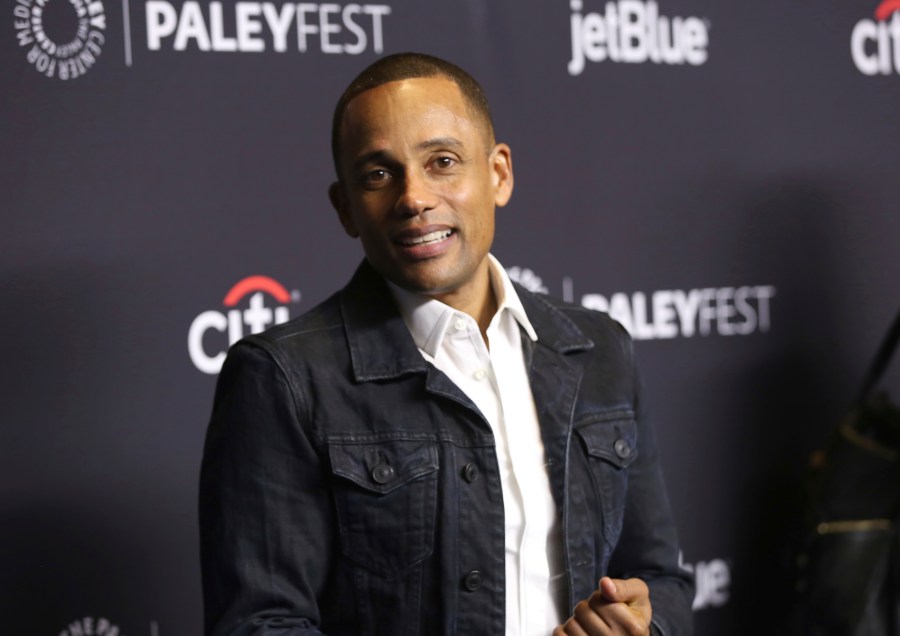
point(496, 380)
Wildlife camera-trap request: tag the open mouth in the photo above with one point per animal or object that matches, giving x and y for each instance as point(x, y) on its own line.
point(427, 239)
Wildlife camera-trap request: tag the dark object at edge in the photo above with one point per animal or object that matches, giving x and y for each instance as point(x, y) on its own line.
point(848, 570)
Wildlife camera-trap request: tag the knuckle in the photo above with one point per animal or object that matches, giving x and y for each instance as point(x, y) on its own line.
point(637, 586)
point(582, 610)
point(635, 627)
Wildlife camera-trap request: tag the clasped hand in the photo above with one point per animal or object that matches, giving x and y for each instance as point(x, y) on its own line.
point(619, 607)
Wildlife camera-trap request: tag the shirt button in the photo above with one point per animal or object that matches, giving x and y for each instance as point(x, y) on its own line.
point(383, 473)
point(622, 448)
point(470, 472)
point(472, 581)
point(480, 374)
point(460, 324)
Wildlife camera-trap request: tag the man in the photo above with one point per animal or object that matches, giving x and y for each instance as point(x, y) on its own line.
point(433, 450)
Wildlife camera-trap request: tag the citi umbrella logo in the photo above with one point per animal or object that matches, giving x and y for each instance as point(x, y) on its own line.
point(875, 44)
point(253, 305)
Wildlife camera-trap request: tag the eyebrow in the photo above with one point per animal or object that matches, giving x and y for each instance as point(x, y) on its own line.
point(440, 141)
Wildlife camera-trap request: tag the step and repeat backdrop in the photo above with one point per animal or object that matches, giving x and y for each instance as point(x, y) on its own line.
point(720, 177)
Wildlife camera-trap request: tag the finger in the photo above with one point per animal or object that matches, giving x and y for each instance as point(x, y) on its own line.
point(619, 618)
point(584, 622)
point(571, 628)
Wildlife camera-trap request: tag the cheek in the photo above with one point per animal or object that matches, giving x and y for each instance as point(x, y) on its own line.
point(466, 197)
point(478, 202)
point(368, 211)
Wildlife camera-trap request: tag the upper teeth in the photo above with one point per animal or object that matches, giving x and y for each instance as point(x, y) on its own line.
point(433, 236)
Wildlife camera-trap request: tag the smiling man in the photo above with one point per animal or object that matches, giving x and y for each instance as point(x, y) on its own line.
point(433, 450)
point(420, 176)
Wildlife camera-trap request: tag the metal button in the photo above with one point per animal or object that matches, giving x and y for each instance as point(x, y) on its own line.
point(622, 448)
point(472, 581)
point(383, 473)
point(470, 472)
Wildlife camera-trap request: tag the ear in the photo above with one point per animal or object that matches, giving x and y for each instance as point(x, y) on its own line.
point(338, 197)
point(501, 174)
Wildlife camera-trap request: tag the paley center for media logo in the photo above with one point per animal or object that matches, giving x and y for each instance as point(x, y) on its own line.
point(213, 331)
point(875, 44)
point(64, 38)
point(635, 32)
point(98, 626)
point(91, 626)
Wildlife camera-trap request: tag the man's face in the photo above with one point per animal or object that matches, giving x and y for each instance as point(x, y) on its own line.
point(419, 184)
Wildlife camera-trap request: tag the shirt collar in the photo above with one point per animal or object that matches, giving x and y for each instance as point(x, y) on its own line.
point(427, 319)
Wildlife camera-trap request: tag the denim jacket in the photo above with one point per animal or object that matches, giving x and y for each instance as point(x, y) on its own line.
point(349, 487)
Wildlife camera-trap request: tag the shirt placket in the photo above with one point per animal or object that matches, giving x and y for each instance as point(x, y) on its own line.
point(481, 383)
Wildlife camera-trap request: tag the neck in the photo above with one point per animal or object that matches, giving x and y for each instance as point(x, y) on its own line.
point(476, 299)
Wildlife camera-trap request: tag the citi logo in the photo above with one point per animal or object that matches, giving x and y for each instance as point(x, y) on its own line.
point(217, 330)
point(633, 31)
point(875, 44)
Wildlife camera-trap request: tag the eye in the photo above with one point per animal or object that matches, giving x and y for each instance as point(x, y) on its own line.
point(376, 177)
point(444, 162)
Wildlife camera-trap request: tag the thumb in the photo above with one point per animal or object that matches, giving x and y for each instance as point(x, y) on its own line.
point(623, 590)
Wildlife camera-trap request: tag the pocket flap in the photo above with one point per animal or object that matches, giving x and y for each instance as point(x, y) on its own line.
point(612, 440)
point(381, 467)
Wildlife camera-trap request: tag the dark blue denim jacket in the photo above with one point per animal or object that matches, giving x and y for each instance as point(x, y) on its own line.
point(349, 487)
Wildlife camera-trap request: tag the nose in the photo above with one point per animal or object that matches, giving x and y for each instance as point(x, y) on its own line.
point(416, 197)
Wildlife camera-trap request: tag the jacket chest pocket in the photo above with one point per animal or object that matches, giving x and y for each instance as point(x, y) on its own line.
point(385, 496)
point(611, 446)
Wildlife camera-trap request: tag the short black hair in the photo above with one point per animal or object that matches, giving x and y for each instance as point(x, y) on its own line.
point(401, 66)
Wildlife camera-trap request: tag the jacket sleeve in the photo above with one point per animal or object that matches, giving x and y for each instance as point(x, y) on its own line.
point(648, 546)
point(265, 514)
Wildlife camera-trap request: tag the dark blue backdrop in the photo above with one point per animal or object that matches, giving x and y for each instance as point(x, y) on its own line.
point(723, 178)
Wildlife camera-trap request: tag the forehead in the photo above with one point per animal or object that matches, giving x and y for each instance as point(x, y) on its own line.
point(406, 108)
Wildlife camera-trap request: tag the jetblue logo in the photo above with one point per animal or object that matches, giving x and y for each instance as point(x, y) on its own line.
point(634, 32)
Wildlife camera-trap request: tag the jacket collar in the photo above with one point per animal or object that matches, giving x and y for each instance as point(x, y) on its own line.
point(381, 346)
point(553, 327)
